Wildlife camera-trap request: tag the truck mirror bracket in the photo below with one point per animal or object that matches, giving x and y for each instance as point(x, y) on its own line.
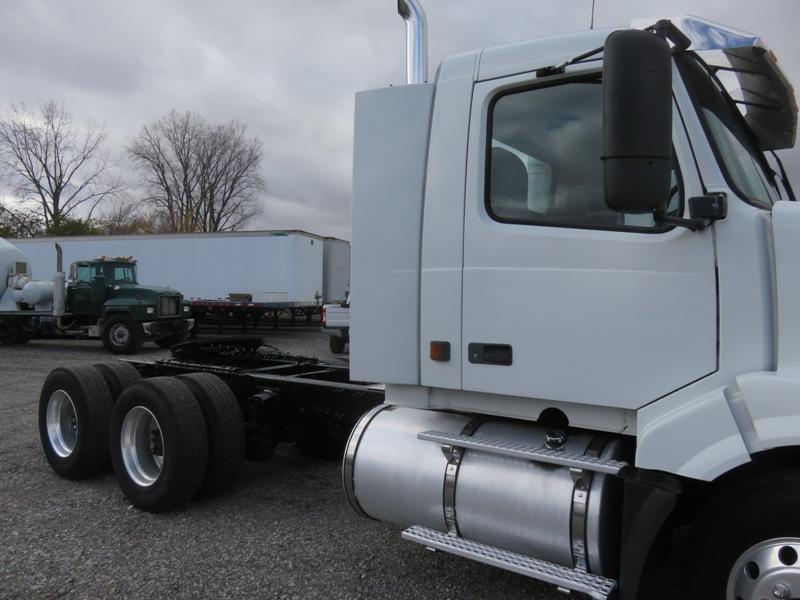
point(703, 211)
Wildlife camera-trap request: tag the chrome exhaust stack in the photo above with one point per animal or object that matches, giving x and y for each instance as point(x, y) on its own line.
point(59, 292)
point(416, 40)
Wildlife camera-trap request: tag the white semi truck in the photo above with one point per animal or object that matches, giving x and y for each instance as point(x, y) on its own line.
point(590, 266)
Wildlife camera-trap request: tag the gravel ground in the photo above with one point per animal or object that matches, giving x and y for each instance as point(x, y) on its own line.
point(283, 531)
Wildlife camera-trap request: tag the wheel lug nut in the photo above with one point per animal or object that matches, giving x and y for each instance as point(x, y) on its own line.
point(782, 591)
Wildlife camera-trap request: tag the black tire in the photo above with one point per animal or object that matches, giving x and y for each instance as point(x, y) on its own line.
point(122, 335)
point(180, 441)
point(336, 344)
point(83, 451)
point(12, 332)
point(760, 509)
point(24, 336)
point(226, 435)
point(170, 340)
point(118, 375)
point(324, 440)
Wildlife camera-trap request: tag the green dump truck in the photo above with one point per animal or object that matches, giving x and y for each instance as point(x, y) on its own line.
point(101, 298)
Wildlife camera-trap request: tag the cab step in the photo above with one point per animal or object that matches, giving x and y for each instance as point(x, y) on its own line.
point(565, 578)
point(527, 452)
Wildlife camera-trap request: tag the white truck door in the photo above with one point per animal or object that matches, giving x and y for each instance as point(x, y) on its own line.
point(564, 299)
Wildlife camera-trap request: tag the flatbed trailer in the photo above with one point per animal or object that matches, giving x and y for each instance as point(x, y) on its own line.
point(249, 316)
point(180, 427)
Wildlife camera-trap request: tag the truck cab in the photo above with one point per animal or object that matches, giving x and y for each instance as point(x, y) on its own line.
point(106, 295)
point(588, 251)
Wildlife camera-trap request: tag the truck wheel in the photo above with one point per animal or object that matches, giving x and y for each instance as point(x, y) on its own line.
point(118, 375)
point(170, 340)
point(74, 413)
point(337, 344)
point(24, 336)
point(746, 542)
point(159, 445)
point(226, 436)
point(121, 335)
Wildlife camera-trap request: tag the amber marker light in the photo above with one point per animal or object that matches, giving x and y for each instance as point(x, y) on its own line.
point(440, 351)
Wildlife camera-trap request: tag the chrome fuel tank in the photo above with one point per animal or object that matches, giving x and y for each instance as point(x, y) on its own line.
point(535, 509)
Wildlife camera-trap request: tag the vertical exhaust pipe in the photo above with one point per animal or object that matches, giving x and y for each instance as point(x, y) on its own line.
point(59, 284)
point(416, 40)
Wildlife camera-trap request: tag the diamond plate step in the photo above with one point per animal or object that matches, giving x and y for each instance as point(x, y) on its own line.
point(594, 586)
point(527, 452)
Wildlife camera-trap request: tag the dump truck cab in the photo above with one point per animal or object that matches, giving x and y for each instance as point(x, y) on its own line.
point(105, 292)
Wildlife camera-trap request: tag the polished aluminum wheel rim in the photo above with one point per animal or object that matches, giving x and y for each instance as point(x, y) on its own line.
point(62, 423)
point(142, 446)
point(120, 334)
point(769, 570)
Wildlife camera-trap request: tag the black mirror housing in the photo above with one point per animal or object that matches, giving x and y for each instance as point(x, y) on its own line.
point(637, 121)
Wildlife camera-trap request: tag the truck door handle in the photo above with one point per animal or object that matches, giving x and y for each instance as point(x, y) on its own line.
point(490, 354)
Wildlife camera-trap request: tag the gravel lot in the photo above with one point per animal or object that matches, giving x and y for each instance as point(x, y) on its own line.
point(283, 531)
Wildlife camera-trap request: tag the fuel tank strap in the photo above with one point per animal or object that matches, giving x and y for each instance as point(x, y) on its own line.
point(454, 455)
point(580, 501)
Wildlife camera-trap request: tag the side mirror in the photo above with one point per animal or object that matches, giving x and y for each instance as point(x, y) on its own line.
point(637, 121)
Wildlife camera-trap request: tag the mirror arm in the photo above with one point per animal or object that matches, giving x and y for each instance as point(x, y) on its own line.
point(703, 211)
point(690, 224)
point(667, 30)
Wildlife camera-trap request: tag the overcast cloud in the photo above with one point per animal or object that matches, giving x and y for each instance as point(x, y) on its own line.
point(289, 69)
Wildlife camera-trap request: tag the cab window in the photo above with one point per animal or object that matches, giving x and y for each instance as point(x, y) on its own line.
point(544, 162)
point(84, 273)
point(121, 274)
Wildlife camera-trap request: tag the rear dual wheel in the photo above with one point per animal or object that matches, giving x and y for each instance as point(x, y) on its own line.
point(159, 444)
point(173, 439)
point(118, 375)
point(74, 412)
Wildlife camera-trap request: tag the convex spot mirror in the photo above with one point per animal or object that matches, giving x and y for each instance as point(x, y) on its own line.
point(637, 121)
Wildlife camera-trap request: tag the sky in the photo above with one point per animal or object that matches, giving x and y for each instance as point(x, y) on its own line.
point(289, 69)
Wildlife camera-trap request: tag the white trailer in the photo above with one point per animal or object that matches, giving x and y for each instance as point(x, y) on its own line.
point(282, 267)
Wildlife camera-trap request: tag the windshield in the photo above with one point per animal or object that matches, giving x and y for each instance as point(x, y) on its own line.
point(735, 146)
point(113, 272)
point(120, 273)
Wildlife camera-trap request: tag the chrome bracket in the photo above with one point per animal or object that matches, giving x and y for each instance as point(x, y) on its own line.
point(582, 480)
point(454, 454)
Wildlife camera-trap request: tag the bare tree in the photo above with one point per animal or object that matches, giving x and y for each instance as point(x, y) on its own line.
point(125, 216)
point(15, 222)
point(51, 162)
point(200, 177)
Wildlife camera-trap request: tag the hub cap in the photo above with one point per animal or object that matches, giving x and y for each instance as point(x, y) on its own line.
point(769, 570)
point(142, 446)
point(120, 334)
point(62, 423)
